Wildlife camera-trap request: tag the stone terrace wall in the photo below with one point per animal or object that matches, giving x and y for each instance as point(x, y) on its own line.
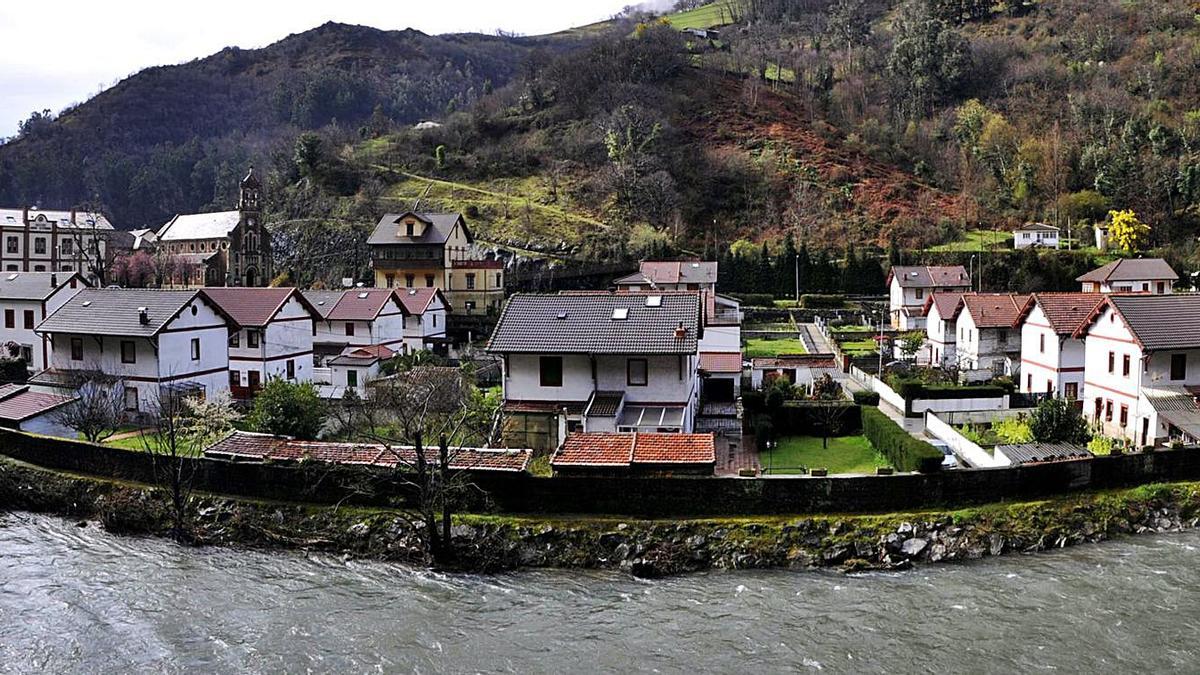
point(638, 496)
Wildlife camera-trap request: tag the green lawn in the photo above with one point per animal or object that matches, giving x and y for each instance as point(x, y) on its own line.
point(706, 16)
point(771, 347)
point(977, 240)
point(138, 443)
point(845, 454)
point(859, 347)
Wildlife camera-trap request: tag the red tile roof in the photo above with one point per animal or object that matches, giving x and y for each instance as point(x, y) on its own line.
point(246, 446)
point(18, 403)
point(994, 310)
point(626, 449)
point(252, 306)
point(721, 362)
point(1066, 312)
point(360, 304)
point(945, 303)
point(417, 300)
point(799, 361)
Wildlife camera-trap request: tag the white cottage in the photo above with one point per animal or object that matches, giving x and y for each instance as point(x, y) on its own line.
point(908, 288)
point(940, 329)
point(270, 335)
point(986, 344)
point(1052, 358)
point(1035, 235)
point(1131, 275)
point(26, 299)
point(358, 317)
point(147, 339)
point(426, 315)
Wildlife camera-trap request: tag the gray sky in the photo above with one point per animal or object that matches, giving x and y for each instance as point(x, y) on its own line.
point(59, 52)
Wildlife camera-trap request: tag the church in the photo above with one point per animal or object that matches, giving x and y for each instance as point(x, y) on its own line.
point(226, 248)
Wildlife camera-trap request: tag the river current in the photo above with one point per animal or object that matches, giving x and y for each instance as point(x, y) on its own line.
point(80, 600)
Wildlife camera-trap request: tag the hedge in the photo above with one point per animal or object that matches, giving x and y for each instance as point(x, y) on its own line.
point(866, 397)
point(905, 452)
point(912, 389)
point(756, 299)
point(816, 301)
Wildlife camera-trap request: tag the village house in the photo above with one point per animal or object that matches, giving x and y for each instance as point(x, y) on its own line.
point(37, 240)
point(427, 313)
point(1035, 235)
point(1131, 275)
point(436, 250)
point(225, 248)
point(986, 344)
point(597, 362)
point(1052, 358)
point(801, 370)
point(639, 453)
point(941, 330)
point(144, 339)
point(270, 335)
point(354, 368)
point(1142, 367)
point(357, 317)
point(26, 299)
point(908, 287)
point(24, 409)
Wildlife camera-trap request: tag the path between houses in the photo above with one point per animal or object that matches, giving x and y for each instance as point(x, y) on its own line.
point(814, 340)
point(127, 434)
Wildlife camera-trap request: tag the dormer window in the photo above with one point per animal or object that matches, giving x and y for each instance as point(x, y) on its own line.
point(408, 229)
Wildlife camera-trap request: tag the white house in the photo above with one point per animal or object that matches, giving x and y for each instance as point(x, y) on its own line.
point(1131, 275)
point(43, 240)
point(1039, 235)
point(1052, 358)
point(986, 344)
point(426, 314)
point(354, 368)
point(801, 370)
point(686, 275)
point(598, 362)
point(26, 299)
point(940, 329)
point(146, 339)
point(270, 335)
point(1142, 367)
point(908, 287)
point(357, 317)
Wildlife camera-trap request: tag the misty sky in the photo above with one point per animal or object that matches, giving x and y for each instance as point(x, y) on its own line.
point(55, 53)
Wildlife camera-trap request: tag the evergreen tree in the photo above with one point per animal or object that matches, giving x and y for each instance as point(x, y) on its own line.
point(850, 273)
point(805, 272)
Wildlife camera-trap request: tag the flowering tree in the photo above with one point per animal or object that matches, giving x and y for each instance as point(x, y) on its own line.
point(1126, 232)
point(135, 271)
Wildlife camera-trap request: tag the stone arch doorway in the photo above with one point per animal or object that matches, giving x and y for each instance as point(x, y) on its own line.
point(251, 277)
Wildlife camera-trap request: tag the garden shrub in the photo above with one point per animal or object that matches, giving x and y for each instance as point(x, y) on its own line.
point(756, 299)
point(866, 398)
point(818, 301)
point(905, 452)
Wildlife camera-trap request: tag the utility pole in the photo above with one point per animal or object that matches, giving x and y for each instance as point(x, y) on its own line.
point(879, 344)
point(796, 266)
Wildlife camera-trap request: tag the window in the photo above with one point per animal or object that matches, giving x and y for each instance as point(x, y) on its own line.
point(1162, 288)
point(920, 293)
point(10, 318)
point(351, 378)
point(1042, 343)
point(235, 378)
point(235, 338)
point(636, 372)
point(1029, 382)
point(408, 229)
point(252, 338)
point(1049, 386)
point(10, 245)
point(39, 245)
point(1145, 288)
point(1125, 365)
point(435, 320)
point(68, 247)
point(470, 305)
point(39, 268)
point(1071, 390)
point(349, 329)
point(128, 351)
point(498, 284)
point(550, 371)
point(428, 281)
point(409, 279)
point(1108, 410)
point(76, 349)
point(470, 281)
point(195, 349)
point(389, 280)
point(1178, 366)
point(131, 399)
point(1002, 336)
point(291, 369)
point(10, 268)
point(1124, 416)
point(29, 319)
point(27, 353)
point(1112, 362)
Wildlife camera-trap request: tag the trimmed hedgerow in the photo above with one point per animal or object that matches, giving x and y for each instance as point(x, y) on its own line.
point(905, 452)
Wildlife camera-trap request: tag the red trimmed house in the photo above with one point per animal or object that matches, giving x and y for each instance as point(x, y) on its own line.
point(1052, 358)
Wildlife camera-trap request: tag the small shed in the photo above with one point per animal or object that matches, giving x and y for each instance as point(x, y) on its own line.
point(1040, 453)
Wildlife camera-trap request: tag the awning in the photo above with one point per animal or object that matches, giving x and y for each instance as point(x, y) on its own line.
point(1177, 406)
point(651, 417)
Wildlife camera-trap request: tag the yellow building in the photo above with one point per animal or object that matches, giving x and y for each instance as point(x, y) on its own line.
point(436, 250)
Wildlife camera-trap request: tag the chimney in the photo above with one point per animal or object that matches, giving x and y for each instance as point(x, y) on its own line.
point(25, 216)
point(53, 280)
point(143, 316)
point(72, 216)
point(680, 331)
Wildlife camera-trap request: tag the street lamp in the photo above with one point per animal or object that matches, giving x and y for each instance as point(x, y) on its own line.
point(971, 272)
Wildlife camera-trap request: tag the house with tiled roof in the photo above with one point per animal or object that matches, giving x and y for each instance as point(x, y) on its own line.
point(598, 362)
point(1142, 367)
point(270, 335)
point(354, 368)
point(1052, 358)
point(639, 453)
point(54, 240)
point(26, 409)
point(799, 369)
point(358, 317)
point(986, 344)
point(941, 336)
point(145, 339)
point(26, 299)
point(1131, 275)
point(222, 248)
point(436, 250)
point(909, 286)
point(427, 313)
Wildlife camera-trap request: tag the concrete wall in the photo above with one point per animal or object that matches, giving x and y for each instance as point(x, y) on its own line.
point(966, 450)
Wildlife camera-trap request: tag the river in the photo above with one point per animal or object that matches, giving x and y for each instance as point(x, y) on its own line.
point(80, 600)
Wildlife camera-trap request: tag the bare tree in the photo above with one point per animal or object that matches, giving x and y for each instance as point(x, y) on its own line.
point(98, 410)
point(828, 407)
point(403, 413)
point(86, 235)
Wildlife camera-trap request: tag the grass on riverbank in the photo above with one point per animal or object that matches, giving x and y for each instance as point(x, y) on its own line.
point(773, 347)
point(845, 454)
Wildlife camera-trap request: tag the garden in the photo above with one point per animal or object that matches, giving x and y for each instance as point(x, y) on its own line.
point(772, 346)
point(800, 454)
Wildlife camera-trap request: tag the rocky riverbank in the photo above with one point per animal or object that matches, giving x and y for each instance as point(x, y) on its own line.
point(642, 547)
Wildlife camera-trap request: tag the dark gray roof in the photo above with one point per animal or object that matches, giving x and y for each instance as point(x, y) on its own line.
point(567, 324)
point(323, 301)
point(931, 276)
point(1161, 321)
point(388, 230)
point(1132, 269)
point(33, 285)
point(1031, 453)
point(104, 311)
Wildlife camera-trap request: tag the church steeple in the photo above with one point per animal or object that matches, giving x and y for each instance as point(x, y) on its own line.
point(250, 194)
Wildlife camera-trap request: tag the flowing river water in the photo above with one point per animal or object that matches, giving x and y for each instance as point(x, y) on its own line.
point(80, 600)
